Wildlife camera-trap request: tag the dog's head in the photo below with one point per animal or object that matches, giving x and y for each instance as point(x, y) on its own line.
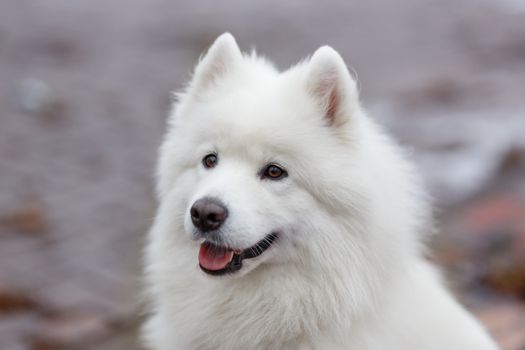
point(260, 166)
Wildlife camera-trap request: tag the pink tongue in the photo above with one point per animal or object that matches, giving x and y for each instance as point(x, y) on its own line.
point(214, 258)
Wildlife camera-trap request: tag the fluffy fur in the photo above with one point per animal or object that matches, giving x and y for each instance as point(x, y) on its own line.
point(347, 270)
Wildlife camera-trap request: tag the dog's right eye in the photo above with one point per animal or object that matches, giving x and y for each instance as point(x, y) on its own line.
point(210, 160)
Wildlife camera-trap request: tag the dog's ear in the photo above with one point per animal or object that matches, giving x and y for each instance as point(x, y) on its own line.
point(221, 57)
point(332, 86)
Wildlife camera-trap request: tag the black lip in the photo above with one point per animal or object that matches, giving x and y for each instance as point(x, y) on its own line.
point(249, 253)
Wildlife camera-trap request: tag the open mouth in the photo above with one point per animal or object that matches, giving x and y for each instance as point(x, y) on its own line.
point(216, 260)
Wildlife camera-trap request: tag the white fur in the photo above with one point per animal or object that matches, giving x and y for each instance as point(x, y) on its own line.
point(347, 271)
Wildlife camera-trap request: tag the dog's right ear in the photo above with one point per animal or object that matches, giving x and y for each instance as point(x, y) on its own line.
point(221, 57)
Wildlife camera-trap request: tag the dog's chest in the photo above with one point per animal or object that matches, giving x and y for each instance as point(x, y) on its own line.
point(247, 319)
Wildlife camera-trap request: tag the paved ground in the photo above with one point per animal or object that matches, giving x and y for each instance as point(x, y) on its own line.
point(83, 95)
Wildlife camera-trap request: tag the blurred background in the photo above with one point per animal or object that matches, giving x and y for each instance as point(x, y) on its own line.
point(84, 91)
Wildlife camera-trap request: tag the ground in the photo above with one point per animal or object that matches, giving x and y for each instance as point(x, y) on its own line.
point(85, 88)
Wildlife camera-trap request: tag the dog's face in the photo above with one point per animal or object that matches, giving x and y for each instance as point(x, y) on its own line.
point(251, 163)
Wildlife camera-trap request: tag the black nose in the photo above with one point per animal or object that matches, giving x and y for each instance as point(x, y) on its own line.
point(208, 214)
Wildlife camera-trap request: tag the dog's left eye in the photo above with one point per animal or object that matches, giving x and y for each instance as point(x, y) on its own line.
point(274, 172)
point(210, 160)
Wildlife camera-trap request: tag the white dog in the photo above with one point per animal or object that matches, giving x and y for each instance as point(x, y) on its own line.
point(289, 220)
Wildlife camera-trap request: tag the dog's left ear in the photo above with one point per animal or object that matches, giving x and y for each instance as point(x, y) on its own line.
point(332, 86)
point(221, 57)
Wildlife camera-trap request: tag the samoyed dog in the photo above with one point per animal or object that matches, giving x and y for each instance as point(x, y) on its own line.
point(288, 219)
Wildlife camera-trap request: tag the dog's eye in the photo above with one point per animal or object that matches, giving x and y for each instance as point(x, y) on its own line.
point(210, 160)
point(274, 172)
